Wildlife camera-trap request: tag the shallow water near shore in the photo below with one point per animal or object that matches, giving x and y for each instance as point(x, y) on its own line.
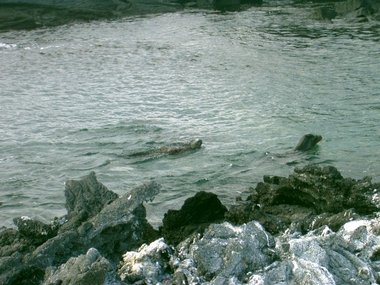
point(81, 97)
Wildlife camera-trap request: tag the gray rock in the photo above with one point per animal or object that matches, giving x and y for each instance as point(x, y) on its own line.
point(325, 257)
point(35, 231)
point(85, 198)
point(226, 251)
point(149, 264)
point(87, 269)
point(114, 225)
point(225, 254)
point(222, 254)
point(11, 242)
point(119, 211)
point(126, 217)
point(246, 254)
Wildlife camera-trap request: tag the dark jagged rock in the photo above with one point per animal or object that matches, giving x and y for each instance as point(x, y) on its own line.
point(35, 231)
point(11, 242)
point(96, 217)
point(85, 198)
point(319, 228)
point(310, 197)
point(194, 216)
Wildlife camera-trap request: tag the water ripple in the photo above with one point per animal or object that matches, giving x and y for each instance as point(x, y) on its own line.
point(81, 97)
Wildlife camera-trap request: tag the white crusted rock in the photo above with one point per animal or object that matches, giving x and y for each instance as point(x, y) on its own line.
point(150, 263)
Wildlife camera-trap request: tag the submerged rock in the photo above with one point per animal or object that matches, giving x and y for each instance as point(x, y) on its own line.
point(173, 149)
point(308, 142)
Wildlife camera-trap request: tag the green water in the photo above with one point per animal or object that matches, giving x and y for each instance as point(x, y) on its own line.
point(81, 97)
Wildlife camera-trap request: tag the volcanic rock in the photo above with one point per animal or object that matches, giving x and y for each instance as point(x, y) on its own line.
point(194, 216)
point(96, 218)
point(308, 198)
point(87, 269)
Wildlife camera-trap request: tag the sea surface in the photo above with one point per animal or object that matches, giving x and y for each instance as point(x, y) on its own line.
point(82, 97)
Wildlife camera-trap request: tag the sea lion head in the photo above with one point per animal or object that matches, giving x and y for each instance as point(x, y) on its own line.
point(308, 141)
point(195, 144)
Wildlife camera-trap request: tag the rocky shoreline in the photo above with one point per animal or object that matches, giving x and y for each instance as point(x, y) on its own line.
point(30, 14)
point(313, 227)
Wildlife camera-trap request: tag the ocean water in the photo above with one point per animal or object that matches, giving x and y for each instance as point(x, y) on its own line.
point(82, 97)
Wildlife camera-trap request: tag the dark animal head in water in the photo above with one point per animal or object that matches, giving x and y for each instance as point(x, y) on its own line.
point(307, 142)
point(196, 144)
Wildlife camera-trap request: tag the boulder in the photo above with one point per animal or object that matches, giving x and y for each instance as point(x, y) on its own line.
point(194, 216)
point(87, 269)
point(227, 251)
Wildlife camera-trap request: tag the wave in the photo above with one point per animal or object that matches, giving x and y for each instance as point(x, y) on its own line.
point(100, 165)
